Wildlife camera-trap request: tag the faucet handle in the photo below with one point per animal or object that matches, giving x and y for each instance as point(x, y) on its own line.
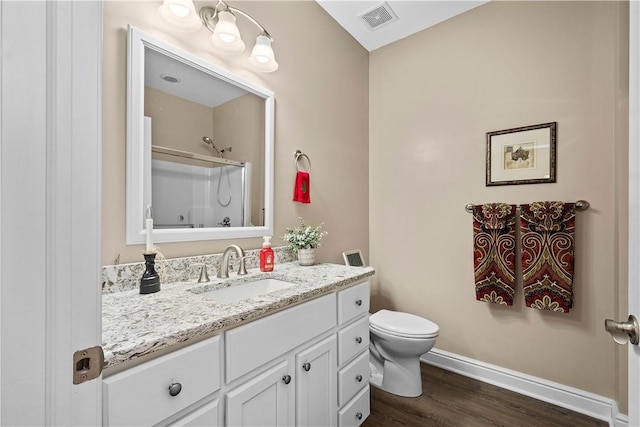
point(204, 277)
point(242, 269)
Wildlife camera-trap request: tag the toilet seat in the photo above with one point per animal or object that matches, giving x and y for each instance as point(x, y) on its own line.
point(403, 324)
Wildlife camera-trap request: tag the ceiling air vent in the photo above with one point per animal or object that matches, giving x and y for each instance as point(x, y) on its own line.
point(379, 16)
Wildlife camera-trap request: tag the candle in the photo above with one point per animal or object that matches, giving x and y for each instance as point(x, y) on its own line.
point(149, 224)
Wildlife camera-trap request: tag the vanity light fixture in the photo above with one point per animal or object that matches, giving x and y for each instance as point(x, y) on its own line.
point(221, 22)
point(181, 14)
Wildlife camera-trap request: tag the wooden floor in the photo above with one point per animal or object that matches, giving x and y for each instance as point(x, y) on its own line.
point(449, 399)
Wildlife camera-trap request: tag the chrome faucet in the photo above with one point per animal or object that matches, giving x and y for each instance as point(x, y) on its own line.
point(223, 271)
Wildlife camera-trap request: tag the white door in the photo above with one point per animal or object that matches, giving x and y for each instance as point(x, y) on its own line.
point(50, 170)
point(634, 205)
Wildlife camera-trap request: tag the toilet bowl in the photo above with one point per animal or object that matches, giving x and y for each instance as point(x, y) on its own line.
point(397, 340)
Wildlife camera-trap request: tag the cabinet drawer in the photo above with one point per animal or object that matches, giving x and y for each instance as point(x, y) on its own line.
point(353, 302)
point(353, 377)
point(140, 395)
point(352, 340)
point(254, 344)
point(356, 411)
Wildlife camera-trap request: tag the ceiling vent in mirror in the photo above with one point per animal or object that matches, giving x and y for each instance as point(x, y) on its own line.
point(379, 16)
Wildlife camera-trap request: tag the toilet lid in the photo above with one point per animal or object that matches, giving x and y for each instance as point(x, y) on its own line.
point(403, 324)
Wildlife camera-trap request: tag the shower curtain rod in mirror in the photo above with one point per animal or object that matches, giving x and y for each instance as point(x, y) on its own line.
point(193, 156)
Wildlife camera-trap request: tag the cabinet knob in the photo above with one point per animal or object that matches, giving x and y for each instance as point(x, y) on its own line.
point(358, 302)
point(359, 340)
point(175, 389)
point(286, 379)
point(359, 378)
point(306, 366)
point(359, 415)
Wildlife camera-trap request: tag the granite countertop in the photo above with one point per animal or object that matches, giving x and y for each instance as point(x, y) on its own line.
point(135, 325)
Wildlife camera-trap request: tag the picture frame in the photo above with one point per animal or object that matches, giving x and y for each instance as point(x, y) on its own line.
point(524, 155)
point(353, 258)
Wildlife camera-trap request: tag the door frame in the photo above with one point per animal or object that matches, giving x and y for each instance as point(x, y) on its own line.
point(634, 206)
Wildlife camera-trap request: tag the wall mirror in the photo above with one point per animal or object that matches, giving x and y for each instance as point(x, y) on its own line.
point(199, 147)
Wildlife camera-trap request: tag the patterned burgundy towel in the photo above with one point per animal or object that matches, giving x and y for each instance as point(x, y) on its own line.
point(494, 241)
point(547, 235)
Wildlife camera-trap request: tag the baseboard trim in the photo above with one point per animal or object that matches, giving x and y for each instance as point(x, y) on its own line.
point(577, 400)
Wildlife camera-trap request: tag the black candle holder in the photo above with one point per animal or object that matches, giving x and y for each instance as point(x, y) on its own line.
point(150, 281)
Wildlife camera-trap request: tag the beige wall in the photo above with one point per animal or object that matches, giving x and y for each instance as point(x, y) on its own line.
point(433, 96)
point(321, 109)
point(178, 123)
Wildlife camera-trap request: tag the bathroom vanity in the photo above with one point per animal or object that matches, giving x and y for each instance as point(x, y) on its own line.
point(294, 356)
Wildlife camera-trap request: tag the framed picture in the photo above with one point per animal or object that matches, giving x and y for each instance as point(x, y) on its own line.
point(525, 155)
point(353, 258)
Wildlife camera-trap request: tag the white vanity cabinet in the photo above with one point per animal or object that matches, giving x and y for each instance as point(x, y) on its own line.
point(306, 365)
point(353, 355)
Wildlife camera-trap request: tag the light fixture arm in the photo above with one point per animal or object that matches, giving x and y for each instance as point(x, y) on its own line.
point(209, 17)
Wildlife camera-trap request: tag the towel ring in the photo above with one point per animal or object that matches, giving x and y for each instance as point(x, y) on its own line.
point(298, 155)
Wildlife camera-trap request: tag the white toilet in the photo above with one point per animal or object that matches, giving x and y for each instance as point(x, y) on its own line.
point(397, 340)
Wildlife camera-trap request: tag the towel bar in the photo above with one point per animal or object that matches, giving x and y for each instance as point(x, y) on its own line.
point(581, 205)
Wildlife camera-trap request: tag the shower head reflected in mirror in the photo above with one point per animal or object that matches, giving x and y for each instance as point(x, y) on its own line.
point(210, 143)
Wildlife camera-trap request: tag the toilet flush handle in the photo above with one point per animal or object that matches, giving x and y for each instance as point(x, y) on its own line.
point(358, 302)
point(359, 340)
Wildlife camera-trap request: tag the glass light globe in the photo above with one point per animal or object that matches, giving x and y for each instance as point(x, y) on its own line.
point(180, 14)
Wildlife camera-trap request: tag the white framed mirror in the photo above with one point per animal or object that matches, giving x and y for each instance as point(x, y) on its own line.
point(199, 147)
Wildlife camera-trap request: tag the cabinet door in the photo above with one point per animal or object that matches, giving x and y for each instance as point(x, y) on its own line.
point(316, 401)
point(263, 401)
point(205, 416)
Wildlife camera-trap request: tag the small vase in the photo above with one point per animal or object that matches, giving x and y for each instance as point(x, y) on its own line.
point(306, 256)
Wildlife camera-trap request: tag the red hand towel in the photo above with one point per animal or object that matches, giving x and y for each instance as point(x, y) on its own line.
point(547, 236)
point(302, 187)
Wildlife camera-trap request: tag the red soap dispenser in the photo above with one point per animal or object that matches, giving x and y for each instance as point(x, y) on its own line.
point(267, 259)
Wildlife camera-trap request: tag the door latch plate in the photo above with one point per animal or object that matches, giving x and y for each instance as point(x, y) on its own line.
point(87, 364)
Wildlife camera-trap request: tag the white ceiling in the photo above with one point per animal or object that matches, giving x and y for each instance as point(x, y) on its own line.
point(192, 84)
point(413, 16)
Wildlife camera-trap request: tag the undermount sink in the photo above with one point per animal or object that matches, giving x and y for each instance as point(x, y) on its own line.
point(248, 290)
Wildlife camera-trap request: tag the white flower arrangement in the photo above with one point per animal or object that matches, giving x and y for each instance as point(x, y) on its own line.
point(304, 237)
